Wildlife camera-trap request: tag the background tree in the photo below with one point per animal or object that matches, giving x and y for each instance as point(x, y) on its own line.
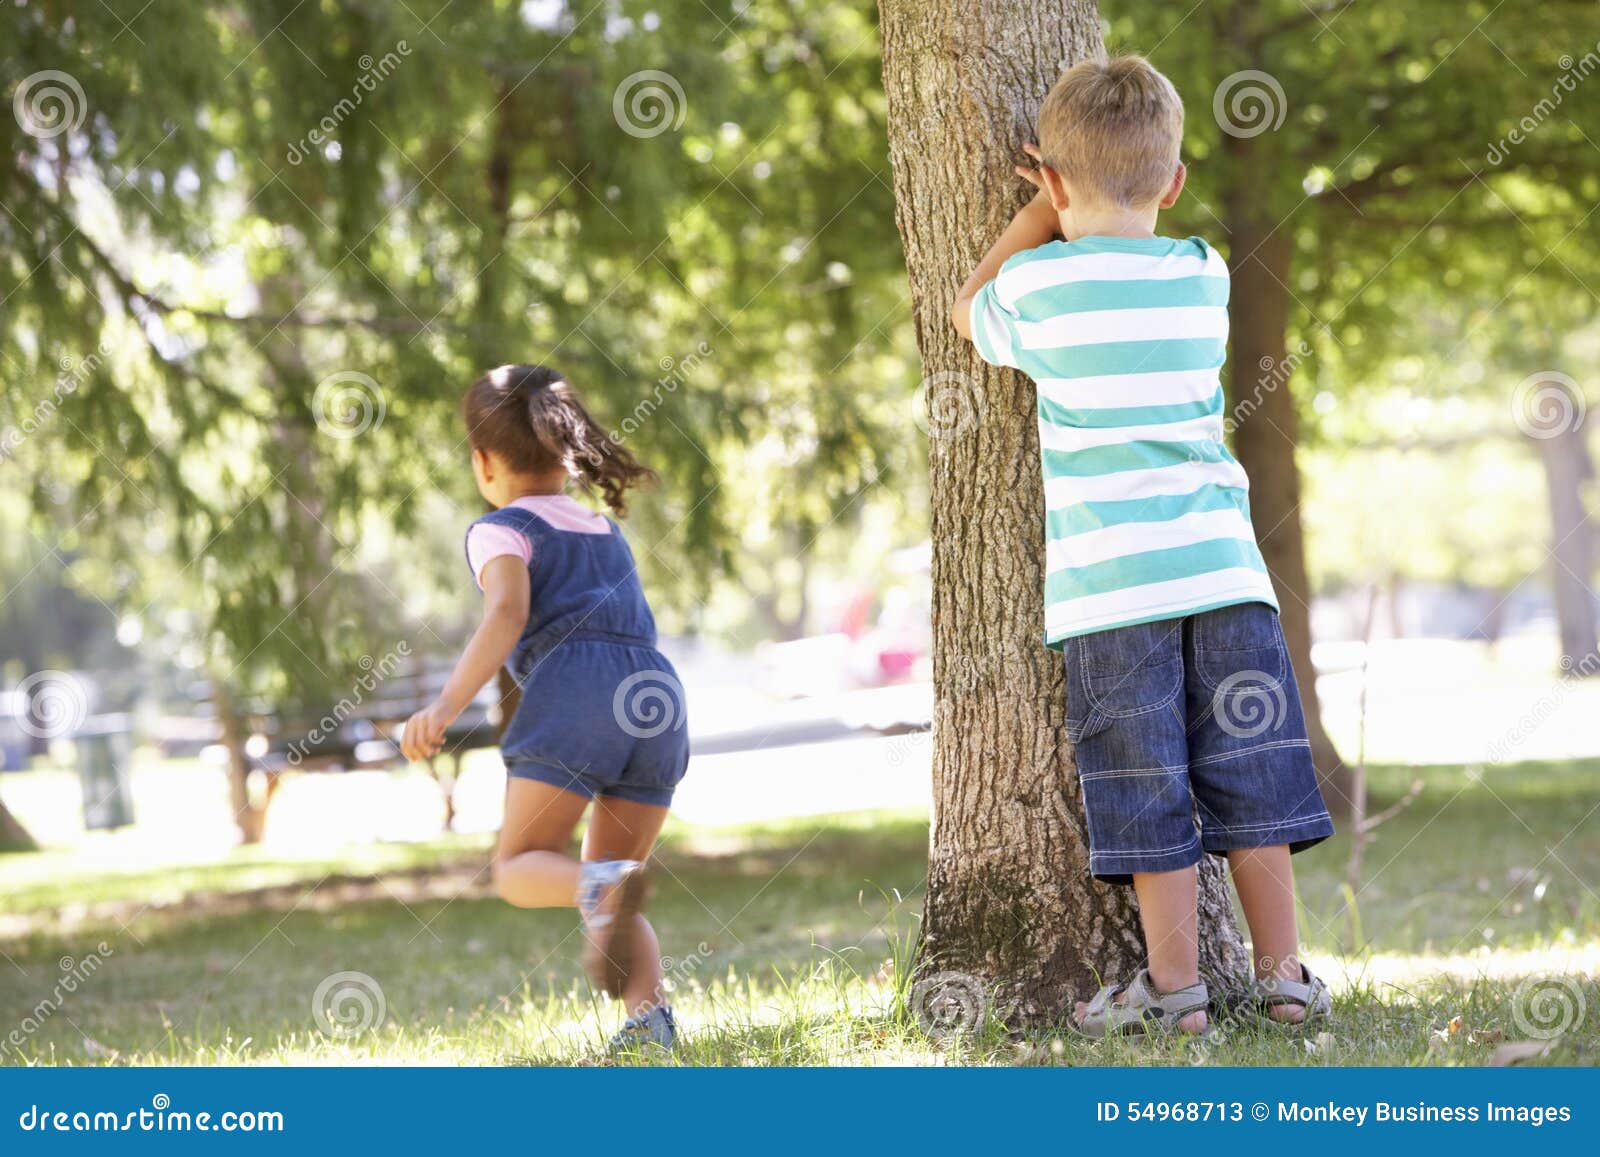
point(1010, 899)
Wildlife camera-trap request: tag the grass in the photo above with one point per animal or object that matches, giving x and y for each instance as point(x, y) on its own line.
point(791, 944)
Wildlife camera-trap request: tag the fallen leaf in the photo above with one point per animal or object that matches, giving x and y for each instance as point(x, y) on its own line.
point(1518, 1051)
point(1454, 1026)
point(1487, 1036)
point(1326, 1041)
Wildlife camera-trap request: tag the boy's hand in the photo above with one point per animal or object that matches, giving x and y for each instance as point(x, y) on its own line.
point(1030, 173)
point(423, 736)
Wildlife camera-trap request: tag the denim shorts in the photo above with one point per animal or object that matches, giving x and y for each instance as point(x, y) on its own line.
point(601, 718)
point(1190, 737)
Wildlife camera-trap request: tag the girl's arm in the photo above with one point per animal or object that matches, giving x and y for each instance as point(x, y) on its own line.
point(505, 616)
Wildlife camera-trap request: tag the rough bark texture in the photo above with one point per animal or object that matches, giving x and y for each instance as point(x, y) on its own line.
point(1266, 433)
point(1010, 900)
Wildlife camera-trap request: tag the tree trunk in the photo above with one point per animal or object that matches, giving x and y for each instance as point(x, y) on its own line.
point(1265, 436)
point(1568, 469)
point(13, 836)
point(1010, 900)
point(248, 814)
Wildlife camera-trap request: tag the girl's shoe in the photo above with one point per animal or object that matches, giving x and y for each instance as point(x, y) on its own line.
point(1309, 993)
point(610, 895)
point(656, 1027)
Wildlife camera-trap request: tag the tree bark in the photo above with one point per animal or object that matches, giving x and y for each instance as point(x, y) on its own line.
point(1568, 470)
point(1010, 900)
point(13, 836)
point(249, 814)
point(1266, 433)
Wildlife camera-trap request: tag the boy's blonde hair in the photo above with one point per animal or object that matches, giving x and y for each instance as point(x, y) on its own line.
point(1112, 127)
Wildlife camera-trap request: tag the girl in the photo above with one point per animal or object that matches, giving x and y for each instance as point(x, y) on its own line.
point(601, 719)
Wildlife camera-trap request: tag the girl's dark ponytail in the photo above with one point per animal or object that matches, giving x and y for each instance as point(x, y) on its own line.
point(530, 417)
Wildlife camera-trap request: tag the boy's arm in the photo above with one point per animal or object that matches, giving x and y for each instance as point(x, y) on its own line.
point(1035, 223)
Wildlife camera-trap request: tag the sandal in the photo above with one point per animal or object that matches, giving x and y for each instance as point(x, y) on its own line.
point(1143, 1010)
point(1310, 992)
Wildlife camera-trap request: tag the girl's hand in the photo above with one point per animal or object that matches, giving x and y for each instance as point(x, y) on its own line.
point(423, 736)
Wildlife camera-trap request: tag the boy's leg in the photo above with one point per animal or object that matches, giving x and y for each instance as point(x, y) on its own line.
point(1167, 903)
point(1265, 882)
point(623, 830)
point(533, 864)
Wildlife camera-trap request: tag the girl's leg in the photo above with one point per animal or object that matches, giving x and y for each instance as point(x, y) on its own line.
point(623, 830)
point(1265, 883)
point(533, 863)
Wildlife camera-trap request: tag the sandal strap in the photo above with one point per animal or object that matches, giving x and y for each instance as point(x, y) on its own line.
point(1310, 992)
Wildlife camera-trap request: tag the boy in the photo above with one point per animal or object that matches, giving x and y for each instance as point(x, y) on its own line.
point(1180, 696)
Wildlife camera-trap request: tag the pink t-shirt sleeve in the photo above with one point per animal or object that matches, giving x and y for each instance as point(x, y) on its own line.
point(487, 540)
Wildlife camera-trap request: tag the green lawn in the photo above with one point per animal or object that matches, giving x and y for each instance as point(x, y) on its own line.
point(789, 946)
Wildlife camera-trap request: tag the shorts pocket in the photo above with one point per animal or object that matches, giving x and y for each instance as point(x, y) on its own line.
point(1240, 650)
point(1131, 670)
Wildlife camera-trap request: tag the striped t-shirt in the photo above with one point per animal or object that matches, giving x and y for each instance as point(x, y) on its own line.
point(1147, 515)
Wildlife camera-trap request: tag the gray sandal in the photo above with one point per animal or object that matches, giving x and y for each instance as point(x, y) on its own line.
point(1310, 992)
point(1143, 1010)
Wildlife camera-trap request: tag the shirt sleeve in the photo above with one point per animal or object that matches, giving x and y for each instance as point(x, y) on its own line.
point(994, 328)
point(487, 540)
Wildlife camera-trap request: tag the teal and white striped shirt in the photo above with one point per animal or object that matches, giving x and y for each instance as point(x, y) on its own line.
point(1147, 515)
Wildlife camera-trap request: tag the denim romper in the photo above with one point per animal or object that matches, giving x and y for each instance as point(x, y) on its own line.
point(602, 711)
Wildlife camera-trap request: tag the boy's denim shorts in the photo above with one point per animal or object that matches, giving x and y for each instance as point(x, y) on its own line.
point(601, 718)
point(1190, 737)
